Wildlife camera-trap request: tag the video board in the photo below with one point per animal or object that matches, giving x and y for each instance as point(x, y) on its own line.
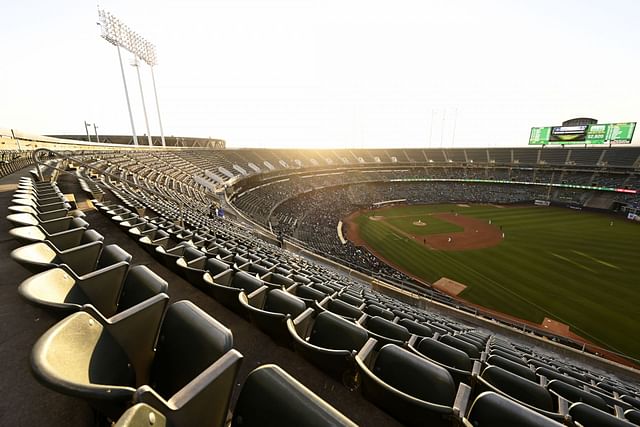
point(605, 133)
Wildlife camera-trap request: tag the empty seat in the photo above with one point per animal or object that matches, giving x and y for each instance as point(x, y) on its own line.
point(375, 310)
point(40, 256)
point(63, 290)
point(385, 331)
point(409, 387)
point(575, 394)
point(416, 328)
point(272, 397)
point(269, 310)
point(588, 416)
point(457, 362)
point(490, 409)
point(468, 348)
point(513, 367)
point(142, 415)
point(62, 239)
point(227, 295)
point(328, 341)
point(194, 369)
point(526, 392)
point(339, 307)
point(633, 416)
point(153, 239)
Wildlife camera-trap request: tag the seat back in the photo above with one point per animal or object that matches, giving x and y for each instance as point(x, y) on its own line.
point(344, 309)
point(445, 354)
point(271, 397)
point(279, 301)
point(374, 310)
point(493, 410)
point(387, 328)
point(215, 266)
point(414, 375)
point(518, 388)
point(575, 394)
point(244, 280)
point(416, 328)
point(468, 348)
point(190, 253)
point(112, 254)
point(333, 332)
point(308, 292)
point(588, 416)
point(513, 367)
point(190, 341)
point(141, 284)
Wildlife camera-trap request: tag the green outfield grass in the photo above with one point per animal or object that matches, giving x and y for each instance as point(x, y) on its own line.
point(568, 265)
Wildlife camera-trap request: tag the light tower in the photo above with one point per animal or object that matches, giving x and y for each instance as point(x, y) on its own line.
point(118, 34)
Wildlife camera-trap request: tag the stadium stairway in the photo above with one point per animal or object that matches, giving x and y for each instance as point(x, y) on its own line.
point(26, 402)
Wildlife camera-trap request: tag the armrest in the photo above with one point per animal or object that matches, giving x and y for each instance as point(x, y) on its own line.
point(257, 297)
point(366, 352)
point(82, 259)
point(461, 402)
point(103, 287)
point(67, 239)
point(303, 321)
point(204, 400)
point(475, 370)
point(136, 330)
point(223, 278)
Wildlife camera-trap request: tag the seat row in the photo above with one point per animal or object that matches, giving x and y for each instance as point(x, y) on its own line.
point(124, 346)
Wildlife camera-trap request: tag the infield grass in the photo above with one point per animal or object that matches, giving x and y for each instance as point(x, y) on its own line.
point(572, 266)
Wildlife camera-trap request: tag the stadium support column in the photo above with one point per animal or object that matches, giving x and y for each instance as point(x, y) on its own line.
point(155, 92)
point(144, 106)
point(126, 94)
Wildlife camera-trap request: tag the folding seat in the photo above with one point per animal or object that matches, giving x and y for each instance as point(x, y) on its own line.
point(552, 374)
point(526, 392)
point(508, 355)
point(348, 298)
point(142, 415)
point(328, 341)
point(339, 307)
point(251, 267)
point(306, 293)
point(48, 206)
point(633, 401)
point(588, 416)
point(277, 279)
point(228, 295)
point(377, 310)
point(168, 257)
point(385, 331)
point(272, 397)
point(416, 328)
point(128, 224)
point(457, 362)
point(468, 348)
point(633, 416)
point(157, 237)
point(218, 272)
point(18, 215)
point(63, 290)
point(64, 238)
point(409, 387)
point(41, 256)
point(142, 230)
point(269, 310)
point(471, 340)
point(512, 367)
point(101, 360)
point(190, 264)
point(194, 370)
point(490, 409)
point(575, 394)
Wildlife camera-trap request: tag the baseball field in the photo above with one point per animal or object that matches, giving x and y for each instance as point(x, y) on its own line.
point(576, 267)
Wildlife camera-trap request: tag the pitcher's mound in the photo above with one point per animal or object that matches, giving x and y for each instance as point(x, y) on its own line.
point(419, 223)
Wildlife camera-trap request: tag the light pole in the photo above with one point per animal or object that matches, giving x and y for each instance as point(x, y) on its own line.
point(144, 106)
point(86, 129)
point(95, 129)
point(118, 34)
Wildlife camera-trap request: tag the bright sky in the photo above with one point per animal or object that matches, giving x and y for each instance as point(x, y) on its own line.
point(326, 73)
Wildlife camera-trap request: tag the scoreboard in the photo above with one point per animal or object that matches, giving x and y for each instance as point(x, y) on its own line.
point(613, 133)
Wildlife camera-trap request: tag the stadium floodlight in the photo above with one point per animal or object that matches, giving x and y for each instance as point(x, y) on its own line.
point(120, 35)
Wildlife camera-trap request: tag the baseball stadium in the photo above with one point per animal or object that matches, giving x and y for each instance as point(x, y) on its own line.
point(161, 280)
